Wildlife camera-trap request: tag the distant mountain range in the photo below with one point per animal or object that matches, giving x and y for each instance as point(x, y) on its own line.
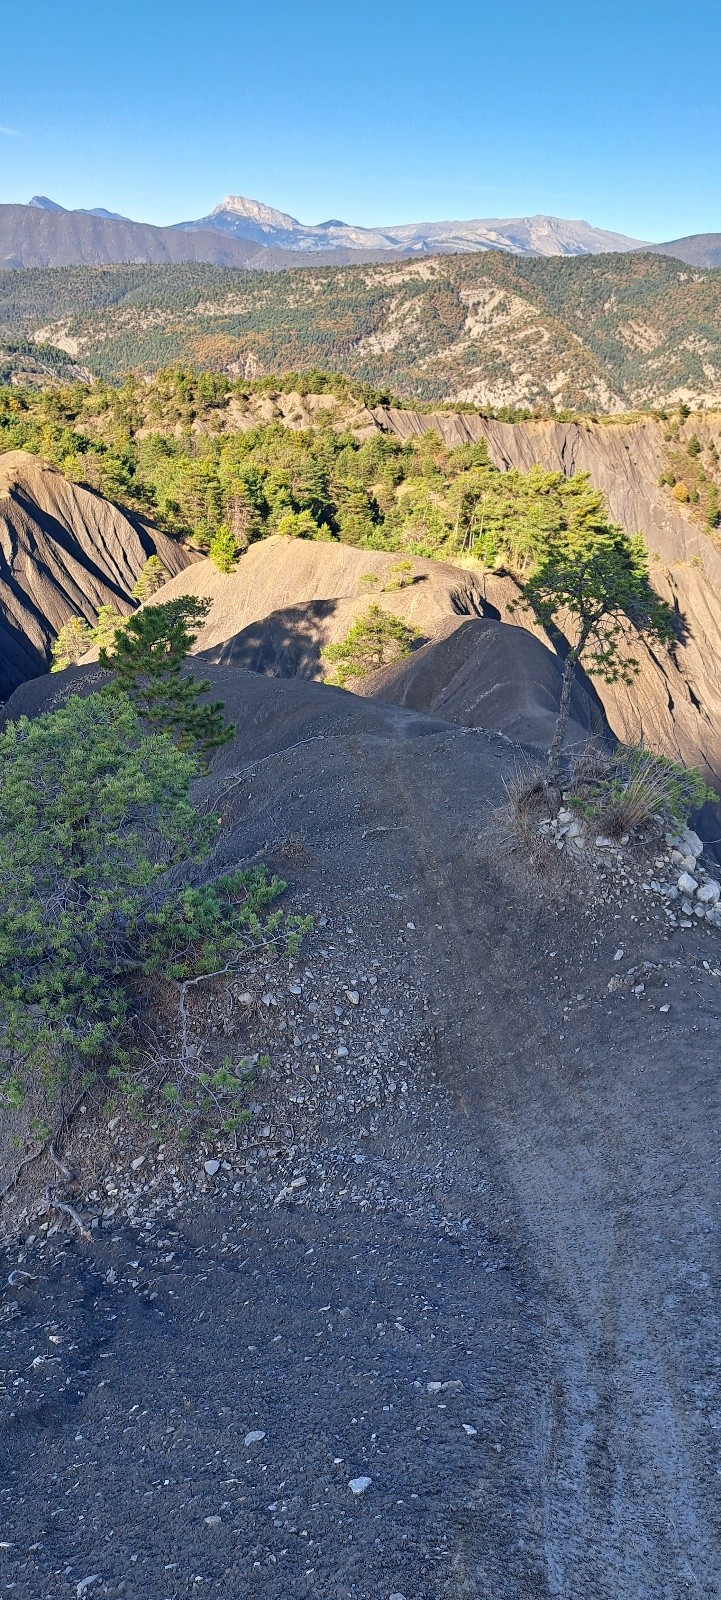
point(538, 236)
point(240, 232)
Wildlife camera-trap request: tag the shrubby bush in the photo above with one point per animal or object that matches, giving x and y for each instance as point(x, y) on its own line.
point(627, 788)
point(95, 811)
point(375, 640)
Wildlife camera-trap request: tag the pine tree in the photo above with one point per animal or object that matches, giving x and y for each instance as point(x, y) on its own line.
point(147, 662)
point(150, 579)
point(224, 550)
point(106, 627)
point(591, 586)
point(73, 641)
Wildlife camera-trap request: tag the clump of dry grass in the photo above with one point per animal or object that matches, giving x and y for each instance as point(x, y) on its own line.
point(628, 788)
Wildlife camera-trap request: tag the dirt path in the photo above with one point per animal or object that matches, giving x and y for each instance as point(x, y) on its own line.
point(610, 1148)
point(509, 1185)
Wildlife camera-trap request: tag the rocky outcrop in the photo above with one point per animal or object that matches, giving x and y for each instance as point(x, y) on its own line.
point(64, 552)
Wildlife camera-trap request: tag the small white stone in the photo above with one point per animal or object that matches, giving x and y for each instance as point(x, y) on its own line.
point(254, 1437)
point(692, 842)
point(687, 884)
point(619, 955)
point(709, 892)
point(352, 996)
point(359, 1485)
point(211, 1167)
point(664, 1008)
point(138, 1162)
point(212, 1522)
point(341, 1051)
point(469, 1430)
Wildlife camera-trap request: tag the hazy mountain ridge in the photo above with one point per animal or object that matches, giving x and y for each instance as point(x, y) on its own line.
point(241, 232)
point(537, 235)
point(594, 333)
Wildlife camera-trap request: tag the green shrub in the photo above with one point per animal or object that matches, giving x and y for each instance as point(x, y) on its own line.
point(195, 932)
point(85, 848)
point(626, 790)
point(375, 640)
point(92, 810)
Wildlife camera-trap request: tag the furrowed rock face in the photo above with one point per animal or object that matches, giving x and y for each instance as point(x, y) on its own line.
point(64, 552)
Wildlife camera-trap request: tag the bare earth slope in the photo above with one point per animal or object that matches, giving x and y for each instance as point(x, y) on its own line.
point(675, 703)
point(506, 1166)
point(64, 551)
point(483, 673)
point(288, 598)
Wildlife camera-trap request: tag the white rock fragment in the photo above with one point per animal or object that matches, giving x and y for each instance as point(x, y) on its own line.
point(687, 884)
point(469, 1430)
point(352, 996)
point(138, 1162)
point(619, 955)
point(212, 1522)
point(359, 1485)
point(254, 1437)
point(211, 1167)
point(709, 892)
point(85, 1583)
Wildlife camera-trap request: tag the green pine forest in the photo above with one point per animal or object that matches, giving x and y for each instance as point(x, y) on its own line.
point(141, 445)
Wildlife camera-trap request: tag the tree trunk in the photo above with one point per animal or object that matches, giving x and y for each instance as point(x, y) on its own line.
point(552, 782)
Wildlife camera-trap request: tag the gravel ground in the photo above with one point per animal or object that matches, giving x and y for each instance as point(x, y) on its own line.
point(473, 1260)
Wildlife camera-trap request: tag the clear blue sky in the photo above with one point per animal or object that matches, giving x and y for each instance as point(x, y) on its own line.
point(376, 111)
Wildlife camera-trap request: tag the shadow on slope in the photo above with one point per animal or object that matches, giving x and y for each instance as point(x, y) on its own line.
point(483, 673)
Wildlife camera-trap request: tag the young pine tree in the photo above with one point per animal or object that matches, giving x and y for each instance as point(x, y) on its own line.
point(591, 586)
point(150, 579)
point(147, 662)
point(73, 641)
point(224, 550)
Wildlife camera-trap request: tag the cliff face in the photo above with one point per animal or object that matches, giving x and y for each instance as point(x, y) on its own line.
point(64, 552)
point(674, 704)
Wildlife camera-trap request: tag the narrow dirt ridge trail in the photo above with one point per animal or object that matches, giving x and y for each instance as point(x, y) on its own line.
point(613, 1162)
point(509, 1181)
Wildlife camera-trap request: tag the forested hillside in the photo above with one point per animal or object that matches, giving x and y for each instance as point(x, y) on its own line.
point(166, 450)
point(598, 333)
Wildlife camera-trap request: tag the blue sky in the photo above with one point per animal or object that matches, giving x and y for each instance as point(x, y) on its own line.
point(376, 111)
